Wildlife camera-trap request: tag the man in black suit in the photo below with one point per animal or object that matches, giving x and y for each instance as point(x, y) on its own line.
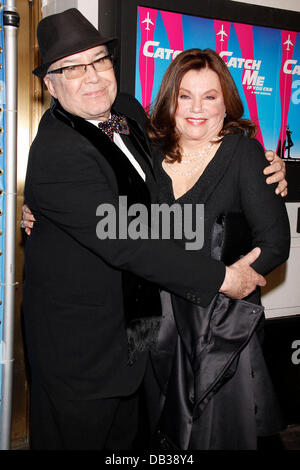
point(91, 306)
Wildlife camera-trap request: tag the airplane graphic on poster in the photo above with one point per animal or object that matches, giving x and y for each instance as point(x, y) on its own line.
point(288, 42)
point(222, 33)
point(148, 21)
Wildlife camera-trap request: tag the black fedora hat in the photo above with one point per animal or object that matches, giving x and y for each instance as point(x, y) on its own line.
point(64, 34)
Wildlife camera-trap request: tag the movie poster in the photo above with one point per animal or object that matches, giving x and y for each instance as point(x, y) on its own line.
point(264, 62)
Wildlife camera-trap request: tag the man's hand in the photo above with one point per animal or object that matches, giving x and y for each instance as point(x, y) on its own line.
point(240, 279)
point(27, 220)
point(278, 171)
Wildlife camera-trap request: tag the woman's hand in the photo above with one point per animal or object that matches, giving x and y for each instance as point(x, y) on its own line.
point(277, 171)
point(27, 220)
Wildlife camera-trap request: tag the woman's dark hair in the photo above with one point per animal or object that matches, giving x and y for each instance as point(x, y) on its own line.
point(162, 126)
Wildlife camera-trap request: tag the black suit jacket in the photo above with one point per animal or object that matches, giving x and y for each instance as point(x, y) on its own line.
point(73, 303)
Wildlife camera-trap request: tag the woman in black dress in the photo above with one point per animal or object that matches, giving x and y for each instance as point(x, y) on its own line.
point(209, 386)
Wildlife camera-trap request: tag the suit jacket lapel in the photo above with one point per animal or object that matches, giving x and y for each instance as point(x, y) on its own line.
point(137, 144)
point(124, 171)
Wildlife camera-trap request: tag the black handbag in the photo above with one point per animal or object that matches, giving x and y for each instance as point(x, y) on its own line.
point(231, 237)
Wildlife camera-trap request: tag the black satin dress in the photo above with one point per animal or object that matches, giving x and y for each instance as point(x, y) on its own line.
point(207, 384)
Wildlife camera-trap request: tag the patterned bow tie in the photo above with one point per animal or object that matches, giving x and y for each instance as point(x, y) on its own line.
point(115, 123)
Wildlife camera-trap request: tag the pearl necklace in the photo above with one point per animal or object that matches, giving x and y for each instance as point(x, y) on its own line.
point(196, 168)
point(197, 154)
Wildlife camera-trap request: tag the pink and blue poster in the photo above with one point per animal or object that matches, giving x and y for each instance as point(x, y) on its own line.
point(264, 62)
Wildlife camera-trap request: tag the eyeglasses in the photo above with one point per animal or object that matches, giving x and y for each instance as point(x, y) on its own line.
point(76, 71)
